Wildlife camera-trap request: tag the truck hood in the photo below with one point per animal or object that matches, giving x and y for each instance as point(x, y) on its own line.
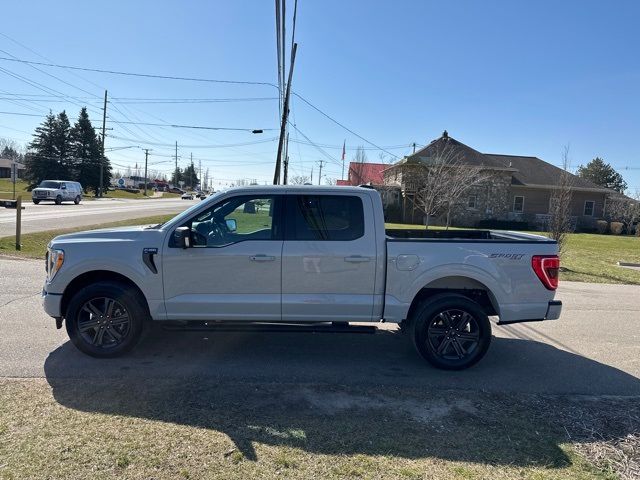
point(117, 234)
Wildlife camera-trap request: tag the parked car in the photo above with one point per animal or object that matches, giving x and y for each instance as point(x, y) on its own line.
point(57, 191)
point(176, 190)
point(329, 263)
point(187, 196)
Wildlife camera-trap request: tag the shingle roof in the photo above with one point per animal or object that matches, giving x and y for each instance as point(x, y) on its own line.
point(533, 171)
point(446, 145)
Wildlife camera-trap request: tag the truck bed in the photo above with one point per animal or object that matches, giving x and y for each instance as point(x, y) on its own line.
point(454, 235)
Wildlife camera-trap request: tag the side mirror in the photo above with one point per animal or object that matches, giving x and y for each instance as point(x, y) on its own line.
point(182, 237)
point(232, 225)
point(63, 187)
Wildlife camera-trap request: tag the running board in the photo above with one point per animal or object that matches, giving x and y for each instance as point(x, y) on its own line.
point(269, 327)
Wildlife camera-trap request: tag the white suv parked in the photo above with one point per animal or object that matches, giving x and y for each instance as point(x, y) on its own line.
point(57, 191)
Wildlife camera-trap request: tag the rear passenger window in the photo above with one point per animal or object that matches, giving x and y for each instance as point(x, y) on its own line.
point(325, 217)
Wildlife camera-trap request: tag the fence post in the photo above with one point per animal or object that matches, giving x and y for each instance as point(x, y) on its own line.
point(18, 221)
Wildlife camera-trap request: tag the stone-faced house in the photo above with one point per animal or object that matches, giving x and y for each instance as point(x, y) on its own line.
point(516, 188)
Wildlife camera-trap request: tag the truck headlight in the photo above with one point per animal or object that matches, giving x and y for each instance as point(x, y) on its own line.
point(55, 259)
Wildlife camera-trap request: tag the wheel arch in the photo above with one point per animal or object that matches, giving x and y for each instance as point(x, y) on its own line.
point(457, 284)
point(87, 278)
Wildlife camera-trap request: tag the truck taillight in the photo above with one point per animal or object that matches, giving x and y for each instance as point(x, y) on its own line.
point(547, 268)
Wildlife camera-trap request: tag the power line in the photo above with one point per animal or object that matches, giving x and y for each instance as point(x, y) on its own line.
point(136, 74)
point(229, 145)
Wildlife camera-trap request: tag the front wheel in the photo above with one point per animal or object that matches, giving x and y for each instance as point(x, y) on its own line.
point(105, 319)
point(36, 201)
point(451, 331)
point(58, 200)
point(76, 200)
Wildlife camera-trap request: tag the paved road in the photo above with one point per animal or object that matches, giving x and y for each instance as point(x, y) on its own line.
point(593, 349)
point(36, 218)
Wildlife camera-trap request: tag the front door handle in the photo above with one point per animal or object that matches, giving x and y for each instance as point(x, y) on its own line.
point(262, 258)
point(357, 259)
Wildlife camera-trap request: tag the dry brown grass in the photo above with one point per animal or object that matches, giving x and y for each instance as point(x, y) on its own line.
point(198, 429)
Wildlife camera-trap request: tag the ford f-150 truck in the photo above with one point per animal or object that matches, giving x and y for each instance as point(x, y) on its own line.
point(287, 257)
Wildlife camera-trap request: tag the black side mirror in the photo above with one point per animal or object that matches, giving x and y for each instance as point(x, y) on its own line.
point(182, 237)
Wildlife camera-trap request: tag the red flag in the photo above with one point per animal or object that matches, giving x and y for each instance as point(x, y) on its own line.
point(344, 146)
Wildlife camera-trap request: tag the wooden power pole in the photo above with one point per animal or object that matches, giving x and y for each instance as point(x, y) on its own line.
point(146, 160)
point(104, 125)
point(285, 116)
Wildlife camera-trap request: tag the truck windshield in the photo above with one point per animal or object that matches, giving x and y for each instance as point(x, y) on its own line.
point(49, 184)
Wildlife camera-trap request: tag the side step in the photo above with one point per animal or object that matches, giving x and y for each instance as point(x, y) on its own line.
point(255, 327)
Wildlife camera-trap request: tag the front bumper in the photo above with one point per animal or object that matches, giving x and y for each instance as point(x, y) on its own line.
point(52, 303)
point(554, 309)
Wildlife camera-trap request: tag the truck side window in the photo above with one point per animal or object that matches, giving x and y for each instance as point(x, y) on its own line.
point(234, 220)
point(325, 217)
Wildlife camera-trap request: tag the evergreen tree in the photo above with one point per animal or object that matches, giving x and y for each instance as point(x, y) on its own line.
point(11, 153)
point(190, 176)
point(86, 150)
point(41, 158)
point(603, 174)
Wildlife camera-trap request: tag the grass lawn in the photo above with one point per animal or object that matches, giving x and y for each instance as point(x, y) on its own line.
point(182, 428)
point(6, 189)
point(34, 245)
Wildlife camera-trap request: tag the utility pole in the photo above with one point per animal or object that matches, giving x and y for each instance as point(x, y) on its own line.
point(176, 174)
point(320, 162)
point(285, 176)
point(146, 159)
point(414, 147)
point(191, 172)
point(285, 115)
point(311, 181)
point(200, 173)
point(104, 125)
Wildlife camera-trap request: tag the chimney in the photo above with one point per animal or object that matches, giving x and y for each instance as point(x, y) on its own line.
point(445, 134)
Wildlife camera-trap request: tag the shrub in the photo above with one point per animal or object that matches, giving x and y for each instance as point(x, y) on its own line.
point(617, 227)
point(602, 226)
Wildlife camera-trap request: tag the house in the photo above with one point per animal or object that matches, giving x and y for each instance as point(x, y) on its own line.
point(6, 165)
point(516, 189)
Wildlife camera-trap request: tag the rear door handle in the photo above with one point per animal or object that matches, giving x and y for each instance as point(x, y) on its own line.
point(357, 259)
point(262, 258)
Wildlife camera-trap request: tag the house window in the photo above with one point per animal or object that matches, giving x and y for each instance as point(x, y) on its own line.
point(518, 204)
point(588, 208)
point(472, 202)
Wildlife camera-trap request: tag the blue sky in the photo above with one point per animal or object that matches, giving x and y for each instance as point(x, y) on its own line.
point(501, 76)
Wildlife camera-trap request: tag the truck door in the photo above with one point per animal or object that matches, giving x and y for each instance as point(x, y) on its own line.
point(233, 270)
point(328, 258)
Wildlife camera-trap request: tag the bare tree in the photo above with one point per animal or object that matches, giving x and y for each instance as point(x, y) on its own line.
point(441, 180)
point(298, 180)
point(355, 168)
point(330, 181)
point(625, 209)
point(560, 204)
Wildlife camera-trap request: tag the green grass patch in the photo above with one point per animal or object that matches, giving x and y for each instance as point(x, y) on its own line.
point(6, 189)
point(34, 245)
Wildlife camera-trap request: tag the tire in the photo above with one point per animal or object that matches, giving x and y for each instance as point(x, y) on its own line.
point(58, 200)
point(451, 331)
point(36, 202)
point(76, 200)
point(105, 319)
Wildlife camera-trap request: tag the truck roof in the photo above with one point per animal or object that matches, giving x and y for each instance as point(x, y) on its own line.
point(303, 188)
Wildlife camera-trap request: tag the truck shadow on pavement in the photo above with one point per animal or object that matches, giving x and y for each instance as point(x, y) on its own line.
point(353, 394)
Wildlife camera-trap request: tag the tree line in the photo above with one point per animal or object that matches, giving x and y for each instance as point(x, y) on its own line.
point(64, 152)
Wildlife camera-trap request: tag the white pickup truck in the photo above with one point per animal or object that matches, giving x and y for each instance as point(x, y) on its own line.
point(298, 257)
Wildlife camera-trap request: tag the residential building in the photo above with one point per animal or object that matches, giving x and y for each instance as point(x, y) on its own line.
point(515, 189)
point(6, 165)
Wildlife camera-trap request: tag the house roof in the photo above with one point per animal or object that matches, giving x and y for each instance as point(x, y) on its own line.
point(454, 149)
point(364, 173)
point(526, 170)
point(7, 162)
point(533, 171)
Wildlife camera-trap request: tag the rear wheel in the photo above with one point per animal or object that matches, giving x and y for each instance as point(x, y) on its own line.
point(58, 200)
point(451, 331)
point(76, 200)
point(36, 201)
point(105, 319)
